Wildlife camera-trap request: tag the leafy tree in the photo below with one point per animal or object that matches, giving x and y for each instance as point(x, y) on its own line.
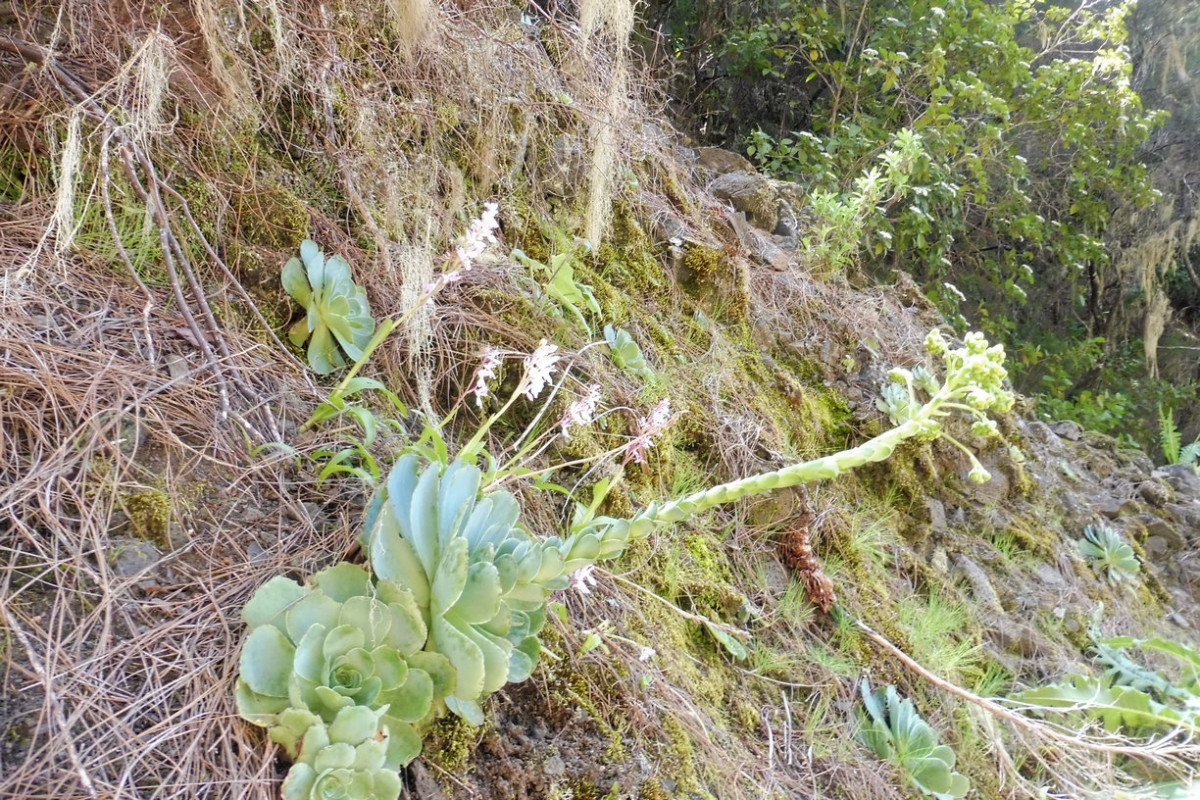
point(1030, 130)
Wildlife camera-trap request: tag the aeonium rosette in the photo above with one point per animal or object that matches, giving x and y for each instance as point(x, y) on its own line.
point(341, 642)
point(348, 758)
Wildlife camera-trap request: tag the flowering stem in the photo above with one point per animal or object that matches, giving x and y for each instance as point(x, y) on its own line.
point(878, 449)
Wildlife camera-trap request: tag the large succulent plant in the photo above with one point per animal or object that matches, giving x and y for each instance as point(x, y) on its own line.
point(343, 641)
point(479, 578)
point(337, 309)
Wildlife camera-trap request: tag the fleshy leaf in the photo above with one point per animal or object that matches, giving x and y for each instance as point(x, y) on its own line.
point(271, 601)
point(266, 663)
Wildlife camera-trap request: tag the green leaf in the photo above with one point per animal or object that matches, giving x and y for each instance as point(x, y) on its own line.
point(271, 600)
point(412, 701)
point(732, 645)
point(343, 581)
point(354, 724)
point(465, 656)
point(295, 281)
point(266, 663)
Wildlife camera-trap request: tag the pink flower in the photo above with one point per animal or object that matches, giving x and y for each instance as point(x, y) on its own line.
point(649, 427)
point(582, 411)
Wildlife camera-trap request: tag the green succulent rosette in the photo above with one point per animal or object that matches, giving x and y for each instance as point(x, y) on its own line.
point(341, 642)
point(348, 758)
point(479, 579)
point(337, 310)
point(895, 732)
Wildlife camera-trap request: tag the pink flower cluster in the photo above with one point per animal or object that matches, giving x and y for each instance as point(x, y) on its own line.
point(649, 428)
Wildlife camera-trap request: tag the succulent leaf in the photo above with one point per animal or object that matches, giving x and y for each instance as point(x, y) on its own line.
point(271, 601)
point(267, 661)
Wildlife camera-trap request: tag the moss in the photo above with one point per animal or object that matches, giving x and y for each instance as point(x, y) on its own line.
point(149, 513)
point(718, 279)
point(270, 216)
point(681, 758)
point(451, 743)
point(653, 790)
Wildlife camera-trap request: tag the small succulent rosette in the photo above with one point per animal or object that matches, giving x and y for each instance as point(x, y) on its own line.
point(348, 758)
point(337, 313)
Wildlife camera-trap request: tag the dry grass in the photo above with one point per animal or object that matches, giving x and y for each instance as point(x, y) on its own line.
point(148, 371)
point(115, 683)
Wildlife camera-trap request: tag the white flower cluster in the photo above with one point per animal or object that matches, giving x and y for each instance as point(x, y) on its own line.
point(581, 411)
point(485, 372)
point(539, 369)
point(649, 428)
point(479, 235)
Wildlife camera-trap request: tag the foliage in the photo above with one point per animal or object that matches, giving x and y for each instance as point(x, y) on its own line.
point(1124, 402)
point(558, 285)
point(896, 732)
point(846, 222)
point(1173, 449)
point(336, 309)
point(626, 353)
point(1030, 135)
point(1129, 698)
point(1111, 552)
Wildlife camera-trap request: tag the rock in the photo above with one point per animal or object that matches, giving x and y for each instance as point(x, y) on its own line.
point(1049, 575)
point(130, 558)
point(1040, 432)
point(992, 492)
point(1180, 477)
point(1154, 493)
point(937, 514)
point(554, 766)
point(1166, 538)
point(1106, 506)
point(719, 162)
point(1071, 431)
point(981, 585)
point(424, 785)
point(751, 194)
point(178, 368)
point(1187, 517)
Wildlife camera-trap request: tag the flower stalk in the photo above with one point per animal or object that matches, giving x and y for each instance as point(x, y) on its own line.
point(973, 385)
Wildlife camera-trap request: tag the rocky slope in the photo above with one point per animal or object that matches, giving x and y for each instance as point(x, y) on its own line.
point(154, 473)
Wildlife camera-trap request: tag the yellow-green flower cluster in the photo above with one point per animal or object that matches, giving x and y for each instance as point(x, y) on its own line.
point(974, 384)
